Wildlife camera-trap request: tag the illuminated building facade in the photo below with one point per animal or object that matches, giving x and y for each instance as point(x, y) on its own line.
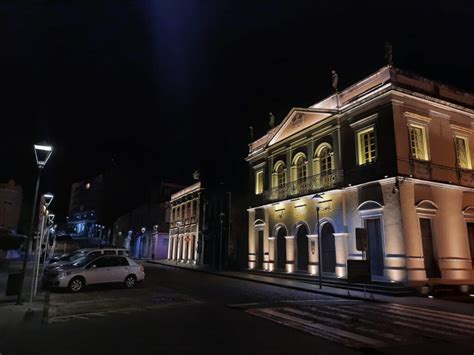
point(390, 154)
point(200, 226)
point(11, 196)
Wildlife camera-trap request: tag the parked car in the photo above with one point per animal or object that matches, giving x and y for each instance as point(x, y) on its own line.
point(67, 256)
point(89, 270)
point(94, 252)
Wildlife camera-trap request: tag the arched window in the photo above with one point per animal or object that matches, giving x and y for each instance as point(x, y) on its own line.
point(278, 176)
point(299, 168)
point(324, 159)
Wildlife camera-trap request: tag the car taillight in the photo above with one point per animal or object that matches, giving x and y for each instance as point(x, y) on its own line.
point(142, 269)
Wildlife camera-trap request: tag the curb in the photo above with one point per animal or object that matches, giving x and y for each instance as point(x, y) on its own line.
point(327, 293)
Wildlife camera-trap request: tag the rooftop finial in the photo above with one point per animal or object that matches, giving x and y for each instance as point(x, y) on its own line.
point(196, 175)
point(335, 79)
point(251, 134)
point(272, 120)
point(388, 53)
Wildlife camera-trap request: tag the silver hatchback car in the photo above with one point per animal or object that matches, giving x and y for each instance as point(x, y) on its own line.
point(90, 270)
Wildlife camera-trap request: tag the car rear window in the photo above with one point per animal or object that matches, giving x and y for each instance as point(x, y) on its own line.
point(119, 261)
point(109, 252)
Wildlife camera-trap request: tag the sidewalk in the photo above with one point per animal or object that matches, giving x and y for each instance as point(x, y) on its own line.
point(434, 304)
point(13, 316)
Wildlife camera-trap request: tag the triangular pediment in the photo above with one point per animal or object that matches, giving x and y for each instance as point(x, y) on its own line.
point(298, 120)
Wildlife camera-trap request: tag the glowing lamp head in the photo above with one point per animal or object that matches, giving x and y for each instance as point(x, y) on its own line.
point(48, 198)
point(318, 197)
point(143, 230)
point(42, 154)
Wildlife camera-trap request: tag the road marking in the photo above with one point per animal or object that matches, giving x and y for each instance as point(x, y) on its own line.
point(371, 325)
point(327, 329)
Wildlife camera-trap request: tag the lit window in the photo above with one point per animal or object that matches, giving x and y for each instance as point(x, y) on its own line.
point(418, 142)
point(325, 160)
point(462, 151)
point(301, 168)
point(278, 176)
point(259, 182)
point(366, 146)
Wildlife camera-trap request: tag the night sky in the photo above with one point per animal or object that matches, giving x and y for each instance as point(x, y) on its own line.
point(173, 85)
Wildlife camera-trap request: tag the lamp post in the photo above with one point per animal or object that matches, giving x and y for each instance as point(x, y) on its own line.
point(46, 201)
point(42, 155)
point(319, 197)
point(50, 225)
point(221, 216)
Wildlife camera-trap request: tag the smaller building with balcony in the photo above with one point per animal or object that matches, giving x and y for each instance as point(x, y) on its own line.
point(389, 155)
point(200, 226)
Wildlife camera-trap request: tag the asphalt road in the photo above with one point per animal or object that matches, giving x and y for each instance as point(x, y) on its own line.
point(179, 311)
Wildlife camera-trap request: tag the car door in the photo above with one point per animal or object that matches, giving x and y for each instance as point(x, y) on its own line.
point(97, 271)
point(120, 269)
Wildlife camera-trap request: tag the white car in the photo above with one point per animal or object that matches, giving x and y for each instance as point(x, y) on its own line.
point(90, 270)
point(72, 257)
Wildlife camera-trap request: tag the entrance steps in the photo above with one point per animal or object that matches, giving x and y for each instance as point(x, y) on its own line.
point(389, 289)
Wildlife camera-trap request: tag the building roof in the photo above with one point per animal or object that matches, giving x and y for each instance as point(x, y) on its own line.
point(385, 78)
point(186, 191)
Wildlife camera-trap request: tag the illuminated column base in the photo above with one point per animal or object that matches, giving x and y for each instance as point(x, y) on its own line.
point(395, 268)
point(313, 257)
point(271, 254)
point(341, 240)
point(455, 268)
point(290, 253)
point(252, 261)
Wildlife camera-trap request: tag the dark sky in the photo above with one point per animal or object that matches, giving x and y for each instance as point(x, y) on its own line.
point(174, 85)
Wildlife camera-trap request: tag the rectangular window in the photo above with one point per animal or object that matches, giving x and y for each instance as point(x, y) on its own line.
point(259, 182)
point(462, 151)
point(418, 142)
point(366, 146)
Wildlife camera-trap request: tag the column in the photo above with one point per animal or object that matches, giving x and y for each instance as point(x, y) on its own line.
point(180, 246)
point(290, 253)
point(252, 237)
point(341, 240)
point(271, 254)
point(313, 257)
point(185, 248)
point(191, 249)
point(450, 235)
point(266, 235)
point(412, 238)
point(170, 248)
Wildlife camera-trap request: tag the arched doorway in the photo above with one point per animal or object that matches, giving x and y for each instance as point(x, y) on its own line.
point(281, 248)
point(302, 247)
point(328, 248)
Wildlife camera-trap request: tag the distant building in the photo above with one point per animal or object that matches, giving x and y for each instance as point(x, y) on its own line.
point(85, 208)
point(153, 217)
point(393, 156)
point(200, 226)
point(11, 196)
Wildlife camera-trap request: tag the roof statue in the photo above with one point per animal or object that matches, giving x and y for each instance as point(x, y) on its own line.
point(388, 53)
point(335, 79)
point(251, 134)
point(196, 175)
point(272, 120)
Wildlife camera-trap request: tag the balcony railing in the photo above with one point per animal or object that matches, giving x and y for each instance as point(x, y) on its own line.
point(311, 184)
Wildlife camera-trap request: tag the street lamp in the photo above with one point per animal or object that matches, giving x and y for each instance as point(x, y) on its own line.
point(221, 216)
point(42, 155)
point(319, 197)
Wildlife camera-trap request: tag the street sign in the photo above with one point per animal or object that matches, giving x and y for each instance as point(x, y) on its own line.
point(361, 239)
point(358, 271)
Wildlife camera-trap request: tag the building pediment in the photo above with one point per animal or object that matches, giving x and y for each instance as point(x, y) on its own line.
point(298, 120)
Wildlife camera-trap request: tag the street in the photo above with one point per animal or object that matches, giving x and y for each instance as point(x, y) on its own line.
point(177, 311)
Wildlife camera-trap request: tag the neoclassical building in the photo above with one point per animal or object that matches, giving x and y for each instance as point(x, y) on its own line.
point(200, 226)
point(391, 155)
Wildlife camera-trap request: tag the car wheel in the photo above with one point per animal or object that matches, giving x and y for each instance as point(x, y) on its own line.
point(130, 281)
point(76, 284)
